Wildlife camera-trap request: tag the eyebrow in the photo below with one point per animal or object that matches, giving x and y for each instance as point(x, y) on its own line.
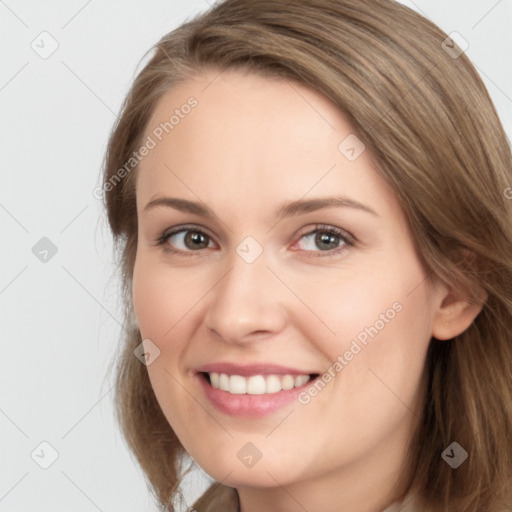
point(289, 209)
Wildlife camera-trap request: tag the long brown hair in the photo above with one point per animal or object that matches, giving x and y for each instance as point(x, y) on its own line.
point(421, 108)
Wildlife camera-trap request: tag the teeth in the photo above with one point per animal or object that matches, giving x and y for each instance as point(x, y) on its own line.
point(273, 384)
point(301, 380)
point(256, 384)
point(237, 385)
point(223, 382)
point(214, 378)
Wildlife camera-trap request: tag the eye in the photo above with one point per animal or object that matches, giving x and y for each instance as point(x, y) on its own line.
point(187, 239)
point(326, 239)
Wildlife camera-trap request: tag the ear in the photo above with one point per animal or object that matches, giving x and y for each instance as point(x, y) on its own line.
point(454, 313)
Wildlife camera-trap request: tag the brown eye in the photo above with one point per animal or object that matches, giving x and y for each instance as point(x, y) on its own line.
point(324, 239)
point(328, 240)
point(195, 240)
point(185, 240)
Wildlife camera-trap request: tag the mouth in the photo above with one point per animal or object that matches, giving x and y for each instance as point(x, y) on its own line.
point(258, 384)
point(252, 390)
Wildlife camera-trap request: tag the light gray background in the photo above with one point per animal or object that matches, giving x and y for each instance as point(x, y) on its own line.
point(60, 318)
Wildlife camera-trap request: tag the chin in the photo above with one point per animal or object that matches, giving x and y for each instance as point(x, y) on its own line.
point(229, 470)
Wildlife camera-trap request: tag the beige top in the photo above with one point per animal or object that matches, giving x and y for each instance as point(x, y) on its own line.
point(405, 505)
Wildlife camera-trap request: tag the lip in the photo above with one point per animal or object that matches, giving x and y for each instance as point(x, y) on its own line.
point(247, 370)
point(245, 405)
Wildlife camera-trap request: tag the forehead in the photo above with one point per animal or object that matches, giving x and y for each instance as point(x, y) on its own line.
point(248, 134)
point(251, 110)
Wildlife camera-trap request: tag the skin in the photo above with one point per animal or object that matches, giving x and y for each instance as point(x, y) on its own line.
point(251, 144)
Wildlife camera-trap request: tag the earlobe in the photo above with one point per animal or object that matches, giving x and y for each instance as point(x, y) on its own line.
point(455, 314)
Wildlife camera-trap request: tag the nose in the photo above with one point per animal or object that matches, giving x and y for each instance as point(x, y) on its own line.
point(247, 304)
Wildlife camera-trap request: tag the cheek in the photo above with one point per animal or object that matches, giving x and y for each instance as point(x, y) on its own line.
point(343, 304)
point(148, 300)
point(160, 303)
point(158, 298)
point(376, 356)
point(375, 321)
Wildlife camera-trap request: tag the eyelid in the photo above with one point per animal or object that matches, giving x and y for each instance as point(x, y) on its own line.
point(329, 228)
point(185, 227)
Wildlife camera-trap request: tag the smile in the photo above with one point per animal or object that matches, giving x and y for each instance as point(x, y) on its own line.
point(252, 391)
point(255, 384)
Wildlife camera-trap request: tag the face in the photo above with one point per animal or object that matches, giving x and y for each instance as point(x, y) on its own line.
point(278, 284)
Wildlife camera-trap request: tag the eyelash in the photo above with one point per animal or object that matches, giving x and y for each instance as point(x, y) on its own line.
point(346, 238)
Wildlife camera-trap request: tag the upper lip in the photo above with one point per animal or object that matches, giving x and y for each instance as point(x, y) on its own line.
point(251, 369)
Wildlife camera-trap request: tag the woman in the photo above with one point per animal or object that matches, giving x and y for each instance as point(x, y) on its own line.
point(310, 203)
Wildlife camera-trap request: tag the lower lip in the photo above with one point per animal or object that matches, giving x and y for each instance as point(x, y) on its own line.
point(249, 406)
